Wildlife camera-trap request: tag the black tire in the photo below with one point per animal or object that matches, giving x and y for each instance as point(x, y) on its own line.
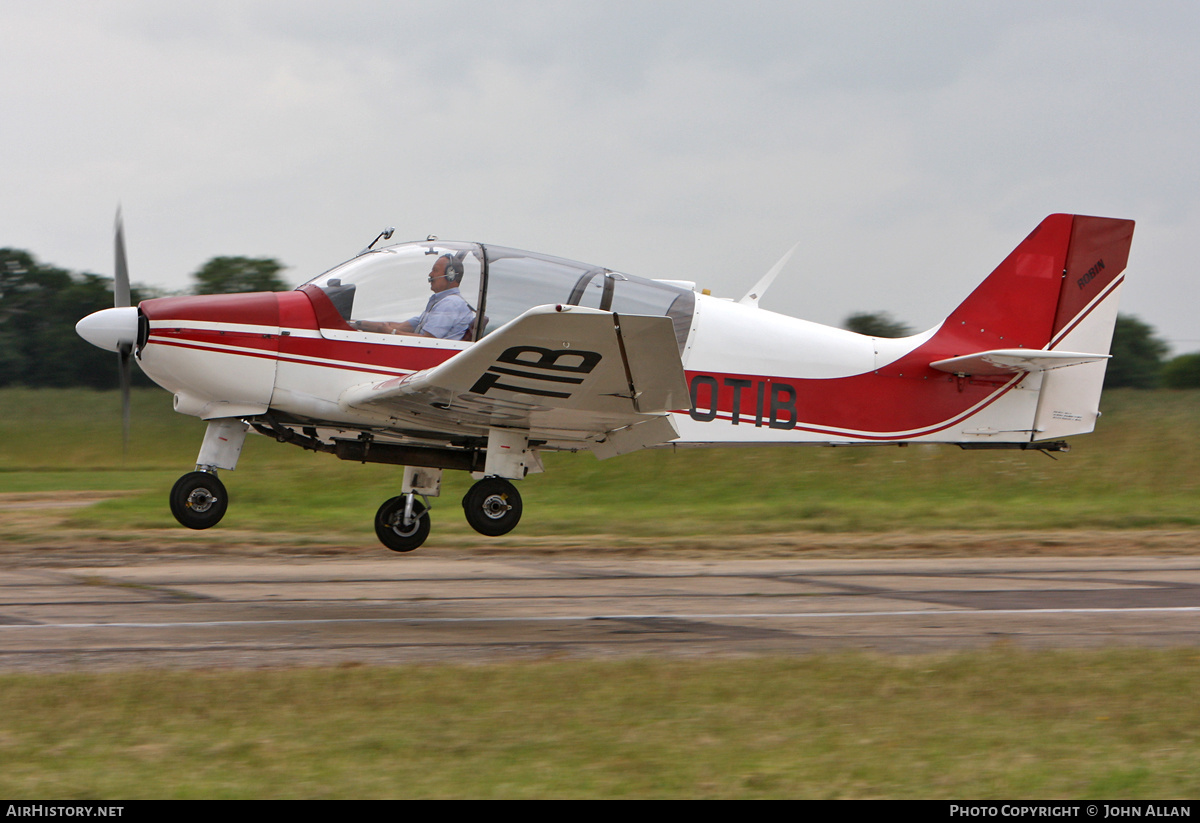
point(199, 500)
point(390, 528)
point(493, 506)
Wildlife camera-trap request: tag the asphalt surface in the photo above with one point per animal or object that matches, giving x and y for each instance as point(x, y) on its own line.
point(254, 612)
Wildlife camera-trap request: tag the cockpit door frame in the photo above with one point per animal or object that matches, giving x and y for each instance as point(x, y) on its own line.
point(606, 297)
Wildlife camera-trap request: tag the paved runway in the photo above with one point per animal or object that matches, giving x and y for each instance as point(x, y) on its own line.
point(410, 609)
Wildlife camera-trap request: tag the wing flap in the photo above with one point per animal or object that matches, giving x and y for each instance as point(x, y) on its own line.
point(650, 432)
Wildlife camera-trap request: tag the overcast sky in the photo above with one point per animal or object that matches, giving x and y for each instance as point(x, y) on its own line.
point(907, 146)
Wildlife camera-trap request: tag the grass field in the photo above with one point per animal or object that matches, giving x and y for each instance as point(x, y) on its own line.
point(1140, 469)
point(997, 724)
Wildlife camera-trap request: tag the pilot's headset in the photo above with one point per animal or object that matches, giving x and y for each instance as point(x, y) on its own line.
point(454, 267)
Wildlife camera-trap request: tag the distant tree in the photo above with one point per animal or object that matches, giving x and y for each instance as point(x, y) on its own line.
point(224, 275)
point(1182, 372)
point(876, 324)
point(39, 307)
point(1137, 355)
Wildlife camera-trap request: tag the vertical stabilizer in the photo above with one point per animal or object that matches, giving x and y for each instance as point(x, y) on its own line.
point(1015, 307)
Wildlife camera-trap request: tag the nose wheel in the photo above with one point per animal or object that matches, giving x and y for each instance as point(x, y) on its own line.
point(198, 500)
point(492, 506)
point(402, 523)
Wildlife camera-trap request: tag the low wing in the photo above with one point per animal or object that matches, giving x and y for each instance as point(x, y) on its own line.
point(1013, 361)
point(563, 372)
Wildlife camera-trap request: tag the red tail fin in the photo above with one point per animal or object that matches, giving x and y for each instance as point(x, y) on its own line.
point(1042, 287)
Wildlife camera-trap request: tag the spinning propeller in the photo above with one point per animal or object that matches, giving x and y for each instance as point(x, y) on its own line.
point(124, 347)
point(116, 329)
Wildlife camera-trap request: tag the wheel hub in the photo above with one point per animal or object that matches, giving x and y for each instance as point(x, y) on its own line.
point(200, 500)
point(496, 506)
point(407, 526)
point(492, 506)
point(404, 529)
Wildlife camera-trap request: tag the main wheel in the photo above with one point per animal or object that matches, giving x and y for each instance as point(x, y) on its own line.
point(493, 506)
point(390, 528)
point(199, 500)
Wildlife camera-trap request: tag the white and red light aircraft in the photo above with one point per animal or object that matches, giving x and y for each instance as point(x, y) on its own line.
point(518, 353)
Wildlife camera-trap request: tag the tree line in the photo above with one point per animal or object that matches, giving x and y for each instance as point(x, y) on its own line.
point(40, 304)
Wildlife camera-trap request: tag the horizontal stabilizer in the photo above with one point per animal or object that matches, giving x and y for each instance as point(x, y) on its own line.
point(1013, 361)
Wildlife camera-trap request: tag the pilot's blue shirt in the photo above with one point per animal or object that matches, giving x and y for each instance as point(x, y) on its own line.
point(446, 315)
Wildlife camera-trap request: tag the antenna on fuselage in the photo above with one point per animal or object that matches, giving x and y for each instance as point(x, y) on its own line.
point(755, 294)
point(386, 234)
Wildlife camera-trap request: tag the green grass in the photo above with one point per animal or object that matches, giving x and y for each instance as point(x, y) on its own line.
point(994, 724)
point(1141, 469)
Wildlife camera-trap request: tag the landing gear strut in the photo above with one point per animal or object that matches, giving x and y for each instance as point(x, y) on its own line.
point(198, 499)
point(492, 505)
point(402, 523)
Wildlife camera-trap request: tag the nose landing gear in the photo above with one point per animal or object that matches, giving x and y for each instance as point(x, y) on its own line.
point(199, 500)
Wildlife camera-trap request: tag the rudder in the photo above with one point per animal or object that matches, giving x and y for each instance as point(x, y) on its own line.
point(1084, 320)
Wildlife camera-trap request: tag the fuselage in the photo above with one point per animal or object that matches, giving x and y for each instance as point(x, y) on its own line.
point(755, 376)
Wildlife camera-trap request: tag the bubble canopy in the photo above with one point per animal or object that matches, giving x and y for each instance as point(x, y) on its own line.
point(396, 283)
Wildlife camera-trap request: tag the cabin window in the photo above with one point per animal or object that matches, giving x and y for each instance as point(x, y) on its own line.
point(517, 281)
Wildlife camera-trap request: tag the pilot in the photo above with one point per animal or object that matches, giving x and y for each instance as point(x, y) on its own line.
point(447, 315)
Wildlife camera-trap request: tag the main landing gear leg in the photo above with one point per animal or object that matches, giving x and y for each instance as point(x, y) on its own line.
point(493, 505)
point(402, 523)
point(199, 499)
